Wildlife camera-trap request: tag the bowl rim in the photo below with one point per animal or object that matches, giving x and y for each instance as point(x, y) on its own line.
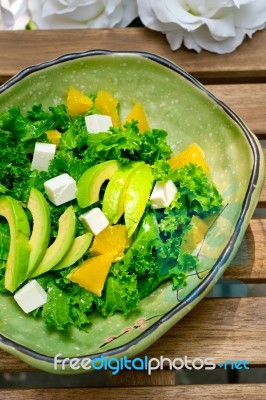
point(224, 256)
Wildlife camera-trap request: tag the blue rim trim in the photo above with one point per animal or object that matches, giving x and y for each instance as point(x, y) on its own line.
point(231, 242)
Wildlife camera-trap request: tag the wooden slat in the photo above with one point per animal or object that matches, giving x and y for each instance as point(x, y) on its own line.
point(249, 264)
point(262, 202)
point(248, 101)
point(9, 363)
point(141, 378)
point(263, 193)
point(184, 392)
point(22, 48)
point(221, 328)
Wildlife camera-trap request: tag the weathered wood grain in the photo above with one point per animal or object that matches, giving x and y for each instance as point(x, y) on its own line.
point(184, 392)
point(142, 378)
point(248, 101)
point(249, 264)
point(262, 201)
point(9, 363)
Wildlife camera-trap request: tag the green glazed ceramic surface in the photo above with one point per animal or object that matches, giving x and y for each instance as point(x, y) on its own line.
point(173, 101)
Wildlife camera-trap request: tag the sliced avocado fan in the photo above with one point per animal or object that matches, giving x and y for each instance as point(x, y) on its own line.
point(114, 195)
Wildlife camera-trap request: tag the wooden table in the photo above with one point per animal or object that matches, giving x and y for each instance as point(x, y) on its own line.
point(224, 328)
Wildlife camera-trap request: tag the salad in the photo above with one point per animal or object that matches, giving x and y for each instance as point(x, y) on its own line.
point(95, 212)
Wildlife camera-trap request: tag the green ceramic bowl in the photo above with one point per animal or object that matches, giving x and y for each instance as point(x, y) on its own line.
point(175, 101)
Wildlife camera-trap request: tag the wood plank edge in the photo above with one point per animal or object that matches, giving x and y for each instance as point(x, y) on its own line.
point(187, 392)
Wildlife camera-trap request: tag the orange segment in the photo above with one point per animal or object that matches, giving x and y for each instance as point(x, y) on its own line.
point(113, 239)
point(192, 154)
point(77, 102)
point(92, 273)
point(137, 114)
point(107, 247)
point(108, 105)
point(54, 136)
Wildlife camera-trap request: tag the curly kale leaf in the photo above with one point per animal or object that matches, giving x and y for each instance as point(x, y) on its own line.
point(121, 294)
point(56, 312)
point(198, 191)
point(67, 307)
point(126, 144)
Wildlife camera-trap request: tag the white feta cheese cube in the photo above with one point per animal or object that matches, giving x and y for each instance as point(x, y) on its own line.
point(61, 189)
point(97, 123)
point(163, 194)
point(94, 220)
point(43, 154)
point(31, 296)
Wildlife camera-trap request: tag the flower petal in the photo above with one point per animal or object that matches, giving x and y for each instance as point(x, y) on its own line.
point(206, 41)
point(14, 14)
point(215, 25)
point(65, 14)
point(251, 15)
point(221, 28)
point(175, 38)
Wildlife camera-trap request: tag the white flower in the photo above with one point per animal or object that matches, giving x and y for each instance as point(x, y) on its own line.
point(13, 14)
point(69, 14)
point(215, 25)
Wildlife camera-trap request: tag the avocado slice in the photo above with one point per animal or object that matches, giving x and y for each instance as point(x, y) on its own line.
point(90, 182)
point(114, 196)
point(76, 251)
point(19, 250)
point(137, 196)
point(62, 243)
point(41, 230)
